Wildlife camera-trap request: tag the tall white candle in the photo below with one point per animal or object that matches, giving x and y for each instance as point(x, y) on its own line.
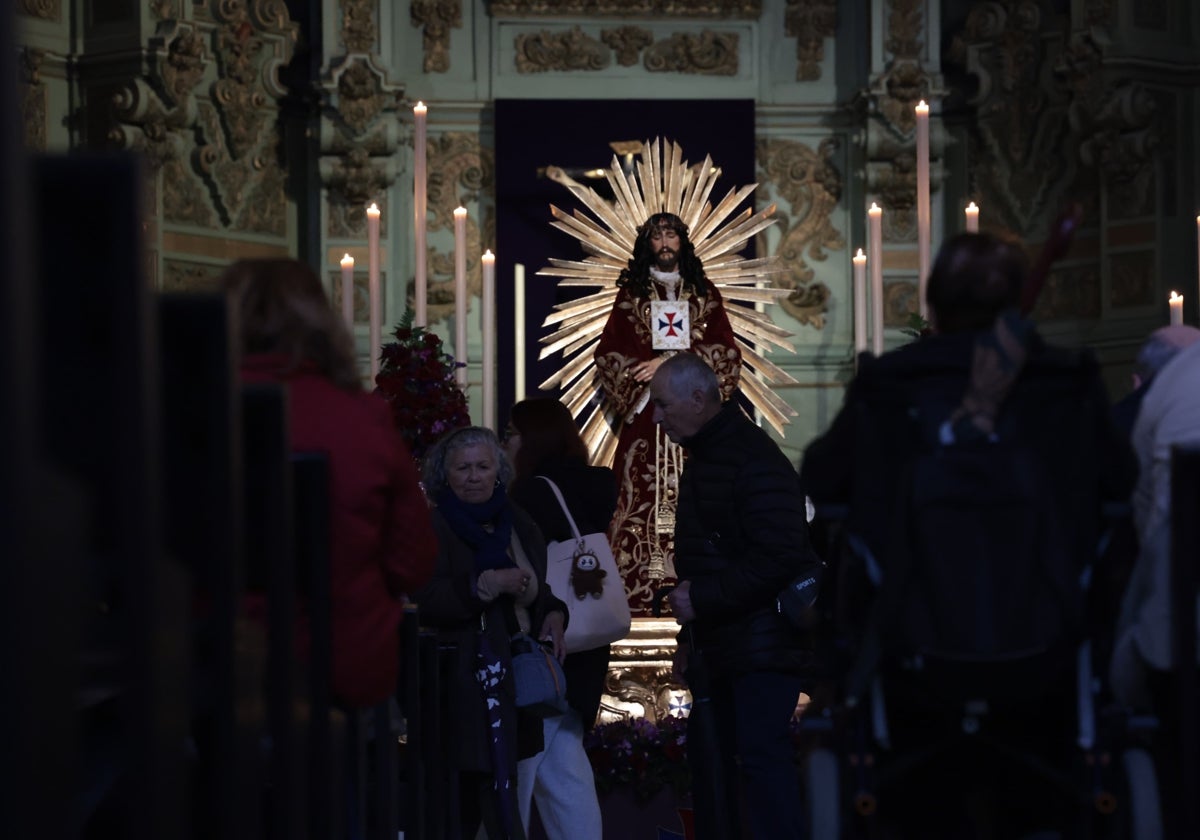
point(420, 213)
point(1175, 301)
point(519, 331)
point(460, 292)
point(860, 302)
point(348, 291)
point(487, 314)
point(875, 261)
point(924, 221)
point(373, 288)
point(971, 213)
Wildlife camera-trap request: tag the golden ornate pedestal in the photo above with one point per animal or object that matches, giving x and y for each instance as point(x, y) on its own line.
point(639, 680)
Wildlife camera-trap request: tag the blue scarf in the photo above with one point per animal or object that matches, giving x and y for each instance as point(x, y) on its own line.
point(466, 520)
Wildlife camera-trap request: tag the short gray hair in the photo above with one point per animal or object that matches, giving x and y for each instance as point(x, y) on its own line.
point(686, 373)
point(433, 468)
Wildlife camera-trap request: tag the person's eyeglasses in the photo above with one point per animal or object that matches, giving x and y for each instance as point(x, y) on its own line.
point(510, 433)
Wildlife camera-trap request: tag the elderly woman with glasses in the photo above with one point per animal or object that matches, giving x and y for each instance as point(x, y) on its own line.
point(489, 581)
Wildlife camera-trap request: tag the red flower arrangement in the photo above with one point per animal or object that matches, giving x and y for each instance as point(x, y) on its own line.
point(417, 377)
point(641, 753)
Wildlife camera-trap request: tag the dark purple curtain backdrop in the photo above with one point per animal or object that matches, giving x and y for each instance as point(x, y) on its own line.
point(532, 134)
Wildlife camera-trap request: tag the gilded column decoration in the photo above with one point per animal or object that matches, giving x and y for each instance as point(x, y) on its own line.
point(1047, 103)
point(810, 22)
point(627, 42)
point(33, 99)
point(1115, 127)
point(1021, 124)
point(358, 26)
point(708, 54)
point(184, 276)
point(360, 136)
point(571, 50)
point(43, 9)
point(812, 186)
point(1102, 13)
point(1132, 279)
point(437, 17)
point(743, 9)
point(461, 172)
point(891, 140)
point(205, 111)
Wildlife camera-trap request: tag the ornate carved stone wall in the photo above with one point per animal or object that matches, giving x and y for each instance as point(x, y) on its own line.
point(461, 173)
point(435, 19)
point(810, 22)
point(745, 9)
point(812, 187)
point(204, 115)
point(908, 75)
point(360, 136)
point(1048, 102)
point(33, 100)
point(704, 53)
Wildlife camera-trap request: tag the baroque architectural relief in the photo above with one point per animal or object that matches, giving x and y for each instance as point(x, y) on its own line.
point(570, 50)
point(894, 95)
point(436, 18)
point(358, 26)
point(810, 22)
point(627, 42)
point(743, 9)
point(461, 173)
point(360, 138)
point(706, 53)
point(1047, 102)
point(42, 9)
point(812, 186)
point(186, 276)
point(203, 114)
point(33, 100)
point(703, 53)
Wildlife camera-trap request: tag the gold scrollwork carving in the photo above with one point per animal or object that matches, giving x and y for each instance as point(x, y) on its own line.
point(358, 25)
point(812, 186)
point(360, 95)
point(707, 53)
point(900, 300)
point(904, 29)
point(810, 22)
point(33, 99)
point(437, 17)
point(1116, 125)
point(627, 42)
point(44, 9)
point(184, 276)
point(743, 9)
point(461, 172)
point(570, 50)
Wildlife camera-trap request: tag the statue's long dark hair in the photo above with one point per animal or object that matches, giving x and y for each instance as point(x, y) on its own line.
point(636, 275)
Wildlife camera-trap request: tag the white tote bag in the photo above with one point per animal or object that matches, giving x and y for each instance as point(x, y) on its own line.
point(583, 573)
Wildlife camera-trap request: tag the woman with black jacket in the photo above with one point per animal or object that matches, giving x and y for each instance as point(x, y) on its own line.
point(543, 440)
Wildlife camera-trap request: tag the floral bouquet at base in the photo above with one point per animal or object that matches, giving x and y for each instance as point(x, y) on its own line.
point(644, 754)
point(416, 375)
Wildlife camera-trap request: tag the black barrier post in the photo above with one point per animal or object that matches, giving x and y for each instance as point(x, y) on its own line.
point(1185, 549)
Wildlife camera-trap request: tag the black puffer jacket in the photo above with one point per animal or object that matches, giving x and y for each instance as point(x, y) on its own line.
point(740, 536)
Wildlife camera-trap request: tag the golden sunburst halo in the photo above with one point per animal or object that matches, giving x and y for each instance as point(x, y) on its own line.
point(660, 182)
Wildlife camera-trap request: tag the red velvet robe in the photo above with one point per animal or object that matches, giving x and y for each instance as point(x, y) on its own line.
point(646, 463)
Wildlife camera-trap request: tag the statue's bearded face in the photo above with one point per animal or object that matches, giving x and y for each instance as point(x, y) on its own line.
point(665, 244)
